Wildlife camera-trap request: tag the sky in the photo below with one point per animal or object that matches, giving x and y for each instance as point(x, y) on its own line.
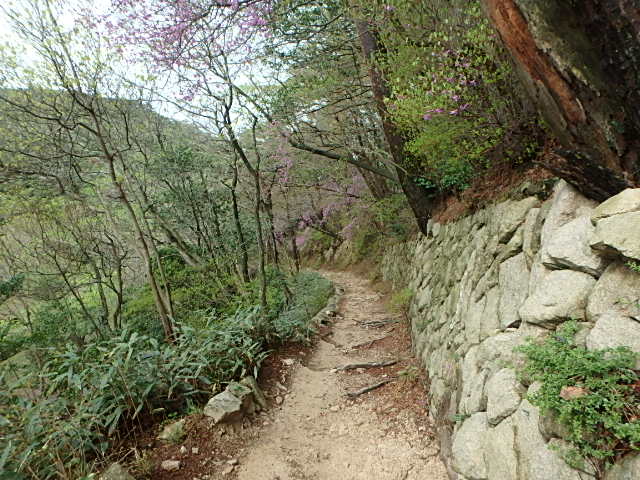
point(8, 36)
point(68, 7)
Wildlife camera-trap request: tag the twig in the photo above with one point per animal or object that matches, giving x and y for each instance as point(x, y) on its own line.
point(353, 366)
point(330, 340)
point(357, 393)
point(368, 343)
point(379, 323)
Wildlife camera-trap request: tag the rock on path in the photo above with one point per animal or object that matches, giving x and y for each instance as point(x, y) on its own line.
point(317, 433)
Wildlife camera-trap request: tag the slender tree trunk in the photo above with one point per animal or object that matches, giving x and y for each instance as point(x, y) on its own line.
point(164, 311)
point(261, 247)
point(291, 231)
point(101, 292)
point(118, 289)
point(406, 167)
point(244, 256)
point(376, 184)
point(268, 207)
point(255, 173)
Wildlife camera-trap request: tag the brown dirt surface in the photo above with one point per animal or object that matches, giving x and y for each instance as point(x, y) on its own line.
point(312, 430)
point(493, 185)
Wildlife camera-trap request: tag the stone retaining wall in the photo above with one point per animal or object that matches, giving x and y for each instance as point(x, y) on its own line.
point(485, 283)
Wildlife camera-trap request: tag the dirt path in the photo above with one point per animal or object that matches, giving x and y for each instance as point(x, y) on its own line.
point(319, 433)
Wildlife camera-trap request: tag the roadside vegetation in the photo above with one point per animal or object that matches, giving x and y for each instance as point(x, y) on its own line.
point(167, 168)
point(593, 394)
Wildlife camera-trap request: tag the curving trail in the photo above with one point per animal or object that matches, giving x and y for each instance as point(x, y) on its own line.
point(319, 433)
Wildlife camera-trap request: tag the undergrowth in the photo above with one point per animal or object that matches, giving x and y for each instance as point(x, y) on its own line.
point(59, 420)
point(401, 300)
point(603, 417)
point(634, 266)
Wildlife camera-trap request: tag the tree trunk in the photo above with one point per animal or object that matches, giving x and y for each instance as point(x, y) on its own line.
point(406, 167)
point(244, 256)
point(376, 184)
point(580, 64)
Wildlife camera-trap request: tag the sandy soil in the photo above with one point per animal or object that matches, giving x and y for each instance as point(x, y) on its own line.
point(317, 432)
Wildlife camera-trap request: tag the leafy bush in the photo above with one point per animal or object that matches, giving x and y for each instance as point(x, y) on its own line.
point(634, 266)
point(453, 92)
point(364, 243)
point(13, 338)
point(400, 300)
point(310, 294)
point(392, 216)
point(56, 421)
point(603, 420)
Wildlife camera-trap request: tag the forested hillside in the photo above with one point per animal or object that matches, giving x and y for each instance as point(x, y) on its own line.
point(170, 169)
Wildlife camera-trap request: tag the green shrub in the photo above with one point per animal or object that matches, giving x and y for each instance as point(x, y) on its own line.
point(401, 300)
point(392, 215)
point(364, 243)
point(13, 338)
point(310, 295)
point(604, 421)
point(453, 91)
point(634, 266)
point(83, 399)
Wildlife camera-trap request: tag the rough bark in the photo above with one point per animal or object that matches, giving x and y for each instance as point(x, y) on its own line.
point(406, 168)
point(580, 64)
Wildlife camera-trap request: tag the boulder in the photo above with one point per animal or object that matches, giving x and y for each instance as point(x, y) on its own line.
point(472, 398)
point(536, 460)
point(499, 349)
point(490, 318)
point(550, 427)
point(569, 248)
point(618, 235)
point(538, 273)
point(566, 204)
point(504, 394)
point(171, 465)
point(531, 234)
point(244, 394)
point(502, 463)
point(173, 432)
point(625, 202)
point(626, 469)
point(513, 246)
point(563, 295)
point(613, 330)
point(473, 321)
point(116, 472)
point(468, 455)
point(258, 395)
point(617, 291)
point(511, 215)
point(514, 282)
point(224, 407)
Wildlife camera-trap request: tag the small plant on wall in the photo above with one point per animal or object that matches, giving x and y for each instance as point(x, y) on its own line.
point(594, 394)
point(634, 265)
point(401, 300)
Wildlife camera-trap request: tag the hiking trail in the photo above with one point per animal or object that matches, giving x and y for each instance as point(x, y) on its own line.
point(318, 432)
